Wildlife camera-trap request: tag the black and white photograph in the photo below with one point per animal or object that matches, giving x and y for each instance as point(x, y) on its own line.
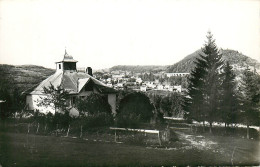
point(129, 83)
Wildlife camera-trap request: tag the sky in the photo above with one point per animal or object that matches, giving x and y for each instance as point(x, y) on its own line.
point(104, 33)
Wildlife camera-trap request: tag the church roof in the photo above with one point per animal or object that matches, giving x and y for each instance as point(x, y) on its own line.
point(70, 80)
point(67, 58)
point(73, 82)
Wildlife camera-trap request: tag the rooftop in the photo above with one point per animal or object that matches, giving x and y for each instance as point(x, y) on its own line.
point(67, 58)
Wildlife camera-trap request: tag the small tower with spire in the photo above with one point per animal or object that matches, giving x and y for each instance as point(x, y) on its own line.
point(67, 64)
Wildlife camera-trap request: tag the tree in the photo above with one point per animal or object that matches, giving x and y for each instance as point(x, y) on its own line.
point(250, 98)
point(203, 98)
point(94, 111)
point(93, 104)
point(212, 80)
point(134, 108)
point(156, 102)
point(194, 99)
point(55, 98)
point(229, 103)
point(177, 101)
point(18, 99)
point(39, 118)
point(5, 100)
point(166, 104)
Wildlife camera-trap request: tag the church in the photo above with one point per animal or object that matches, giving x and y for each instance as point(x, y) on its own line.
point(76, 83)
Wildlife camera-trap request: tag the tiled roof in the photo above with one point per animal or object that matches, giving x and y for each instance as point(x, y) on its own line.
point(54, 79)
point(73, 82)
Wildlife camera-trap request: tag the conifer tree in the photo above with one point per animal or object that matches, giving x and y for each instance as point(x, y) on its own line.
point(250, 98)
point(203, 98)
point(212, 85)
point(229, 103)
point(194, 99)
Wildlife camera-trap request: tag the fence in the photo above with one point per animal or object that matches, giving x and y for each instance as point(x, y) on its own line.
point(145, 131)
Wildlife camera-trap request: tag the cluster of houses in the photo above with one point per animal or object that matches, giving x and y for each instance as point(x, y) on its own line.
point(80, 82)
point(125, 79)
point(157, 86)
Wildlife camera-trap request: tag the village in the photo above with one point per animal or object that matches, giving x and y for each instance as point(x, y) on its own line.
point(130, 80)
point(129, 83)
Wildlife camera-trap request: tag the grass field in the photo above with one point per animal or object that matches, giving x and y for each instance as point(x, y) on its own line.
point(19, 149)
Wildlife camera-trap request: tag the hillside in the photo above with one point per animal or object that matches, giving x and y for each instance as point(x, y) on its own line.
point(236, 59)
point(138, 68)
point(25, 76)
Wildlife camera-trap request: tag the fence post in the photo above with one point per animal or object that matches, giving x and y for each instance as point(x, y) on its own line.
point(81, 131)
point(37, 128)
point(45, 127)
point(115, 135)
point(28, 131)
point(56, 129)
point(159, 139)
point(68, 131)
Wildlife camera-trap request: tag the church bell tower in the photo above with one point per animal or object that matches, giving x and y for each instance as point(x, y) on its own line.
point(67, 64)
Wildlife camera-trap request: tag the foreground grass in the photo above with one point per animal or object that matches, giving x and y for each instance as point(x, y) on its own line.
point(18, 149)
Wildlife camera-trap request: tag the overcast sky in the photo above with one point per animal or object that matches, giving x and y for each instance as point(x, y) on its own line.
point(103, 33)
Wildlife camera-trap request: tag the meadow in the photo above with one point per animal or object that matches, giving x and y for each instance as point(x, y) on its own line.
point(21, 149)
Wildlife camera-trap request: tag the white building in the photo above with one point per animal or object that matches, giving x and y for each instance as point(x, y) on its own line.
point(143, 88)
point(139, 80)
point(176, 74)
point(160, 87)
point(177, 88)
point(78, 84)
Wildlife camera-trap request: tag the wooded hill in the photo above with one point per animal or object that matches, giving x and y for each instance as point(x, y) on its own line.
point(138, 68)
point(238, 60)
point(25, 76)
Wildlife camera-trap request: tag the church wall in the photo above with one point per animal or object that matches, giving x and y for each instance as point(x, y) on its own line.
point(33, 100)
point(59, 67)
point(112, 102)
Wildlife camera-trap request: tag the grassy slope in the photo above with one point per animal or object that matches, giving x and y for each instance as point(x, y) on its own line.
point(25, 76)
point(58, 151)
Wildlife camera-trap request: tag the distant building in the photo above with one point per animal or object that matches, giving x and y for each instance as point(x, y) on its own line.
point(109, 85)
point(143, 88)
point(176, 74)
point(77, 83)
point(118, 76)
point(160, 87)
point(177, 88)
point(120, 85)
point(139, 80)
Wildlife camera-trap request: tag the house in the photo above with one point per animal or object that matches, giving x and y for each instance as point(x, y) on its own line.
point(160, 87)
point(77, 83)
point(143, 88)
point(177, 88)
point(139, 80)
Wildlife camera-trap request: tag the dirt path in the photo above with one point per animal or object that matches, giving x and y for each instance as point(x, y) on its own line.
point(199, 142)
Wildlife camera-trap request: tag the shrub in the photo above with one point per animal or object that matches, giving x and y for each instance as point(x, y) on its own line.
point(134, 108)
point(98, 120)
point(128, 121)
